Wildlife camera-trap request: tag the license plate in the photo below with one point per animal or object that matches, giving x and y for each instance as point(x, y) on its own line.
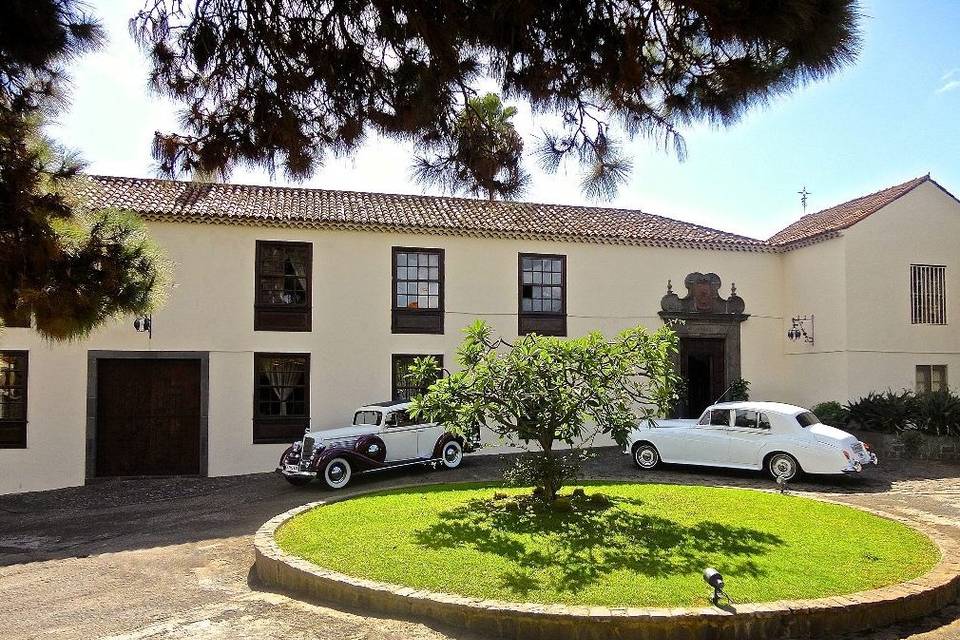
point(293, 468)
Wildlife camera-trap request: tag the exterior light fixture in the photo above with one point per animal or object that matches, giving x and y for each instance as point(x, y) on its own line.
point(713, 578)
point(144, 324)
point(798, 329)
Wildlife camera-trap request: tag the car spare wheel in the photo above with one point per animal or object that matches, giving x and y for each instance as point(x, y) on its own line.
point(646, 456)
point(336, 473)
point(451, 454)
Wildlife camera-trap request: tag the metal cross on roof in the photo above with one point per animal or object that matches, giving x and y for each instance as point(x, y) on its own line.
point(803, 197)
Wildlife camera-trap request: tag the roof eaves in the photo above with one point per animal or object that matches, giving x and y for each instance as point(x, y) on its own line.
point(757, 246)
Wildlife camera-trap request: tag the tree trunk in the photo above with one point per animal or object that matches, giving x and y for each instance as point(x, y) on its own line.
point(549, 482)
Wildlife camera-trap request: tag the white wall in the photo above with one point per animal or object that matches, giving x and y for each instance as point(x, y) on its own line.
point(922, 227)
point(814, 284)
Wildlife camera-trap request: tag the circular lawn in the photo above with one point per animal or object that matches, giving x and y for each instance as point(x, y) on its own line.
point(609, 545)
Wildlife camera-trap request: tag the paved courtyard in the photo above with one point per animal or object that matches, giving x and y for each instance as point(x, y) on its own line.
point(170, 558)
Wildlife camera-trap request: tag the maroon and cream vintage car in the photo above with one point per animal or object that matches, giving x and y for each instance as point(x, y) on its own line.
point(382, 436)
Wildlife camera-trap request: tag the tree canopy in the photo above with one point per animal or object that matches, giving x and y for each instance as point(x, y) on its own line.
point(482, 157)
point(63, 267)
point(282, 83)
point(545, 391)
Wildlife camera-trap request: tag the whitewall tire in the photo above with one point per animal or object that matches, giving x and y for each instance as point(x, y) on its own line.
point(783, 465)
point(451, 454)
point(646, 456)
point(336, 473)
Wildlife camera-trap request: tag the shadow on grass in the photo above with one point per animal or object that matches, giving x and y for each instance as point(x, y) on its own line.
point(579, 547)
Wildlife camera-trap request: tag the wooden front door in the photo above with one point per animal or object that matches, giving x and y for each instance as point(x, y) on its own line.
point(148, 417)
point(702, 366)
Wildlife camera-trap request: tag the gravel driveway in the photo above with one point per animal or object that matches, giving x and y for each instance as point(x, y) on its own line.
point(171, 557)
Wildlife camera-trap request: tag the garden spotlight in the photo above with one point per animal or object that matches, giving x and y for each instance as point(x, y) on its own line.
point(713, 578)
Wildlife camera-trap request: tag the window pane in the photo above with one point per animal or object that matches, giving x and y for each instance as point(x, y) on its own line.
point(434, 260)
point(541, 285)
point(938, 378)
point(745, 418)
point(401, 260)
point(720, 417)
point(282, 386)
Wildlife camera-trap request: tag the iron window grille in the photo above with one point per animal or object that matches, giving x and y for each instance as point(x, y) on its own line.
point(928, 294)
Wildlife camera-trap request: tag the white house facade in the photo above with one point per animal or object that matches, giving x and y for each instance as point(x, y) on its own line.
point(291, 307)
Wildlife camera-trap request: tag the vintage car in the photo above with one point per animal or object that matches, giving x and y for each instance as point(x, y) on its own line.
point(382, 436)
point(782, 439)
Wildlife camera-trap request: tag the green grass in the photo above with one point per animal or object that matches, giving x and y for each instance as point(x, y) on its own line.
point(646, 546)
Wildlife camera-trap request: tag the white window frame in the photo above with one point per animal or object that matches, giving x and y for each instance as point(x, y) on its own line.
point(928, 294)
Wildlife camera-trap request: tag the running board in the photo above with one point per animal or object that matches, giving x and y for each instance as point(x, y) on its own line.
point(401, 464)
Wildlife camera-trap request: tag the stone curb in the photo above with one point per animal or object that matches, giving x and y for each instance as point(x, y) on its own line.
point(528, 621)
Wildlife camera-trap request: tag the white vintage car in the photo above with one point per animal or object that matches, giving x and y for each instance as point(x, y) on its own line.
point(382, 436)
point(782, 439)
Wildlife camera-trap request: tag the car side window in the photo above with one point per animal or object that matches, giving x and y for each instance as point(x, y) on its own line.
point(750, 419)
point(720, 418)
point(705, 418)
point(400, 419)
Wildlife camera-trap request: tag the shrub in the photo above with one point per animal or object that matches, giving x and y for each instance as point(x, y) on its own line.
point(938, 413)
point(739, 390)
point(886, 412)
point(912, 441)
point(832, 413)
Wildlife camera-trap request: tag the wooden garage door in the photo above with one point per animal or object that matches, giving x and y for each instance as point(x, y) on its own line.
point(148, 417)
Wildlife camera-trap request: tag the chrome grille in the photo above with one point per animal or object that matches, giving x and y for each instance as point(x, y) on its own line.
point(308, 445)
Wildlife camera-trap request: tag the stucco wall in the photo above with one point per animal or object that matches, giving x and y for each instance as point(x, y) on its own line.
point(210, 308)
point(814, 284)
point(922, 227)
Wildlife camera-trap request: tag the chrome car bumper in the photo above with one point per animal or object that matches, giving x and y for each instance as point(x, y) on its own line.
point(855, 466)
point(289, 473)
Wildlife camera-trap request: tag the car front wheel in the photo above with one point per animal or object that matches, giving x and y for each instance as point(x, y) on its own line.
point(646, 456)
point(336, 473)
point(783, 465)
point(451, 455)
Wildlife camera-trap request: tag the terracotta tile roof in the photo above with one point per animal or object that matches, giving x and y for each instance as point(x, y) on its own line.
point(826, 223)
point(176, 201)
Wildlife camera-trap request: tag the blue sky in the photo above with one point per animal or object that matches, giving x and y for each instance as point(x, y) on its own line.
point(892, 116)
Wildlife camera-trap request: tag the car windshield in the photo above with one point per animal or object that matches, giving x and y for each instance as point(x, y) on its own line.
point(807, 418)
point(367, 417)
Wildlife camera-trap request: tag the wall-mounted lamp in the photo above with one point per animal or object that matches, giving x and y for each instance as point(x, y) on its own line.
point(798, 329)
point(144, 324)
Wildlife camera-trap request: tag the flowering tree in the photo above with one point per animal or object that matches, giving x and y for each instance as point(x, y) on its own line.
point(539, 392)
